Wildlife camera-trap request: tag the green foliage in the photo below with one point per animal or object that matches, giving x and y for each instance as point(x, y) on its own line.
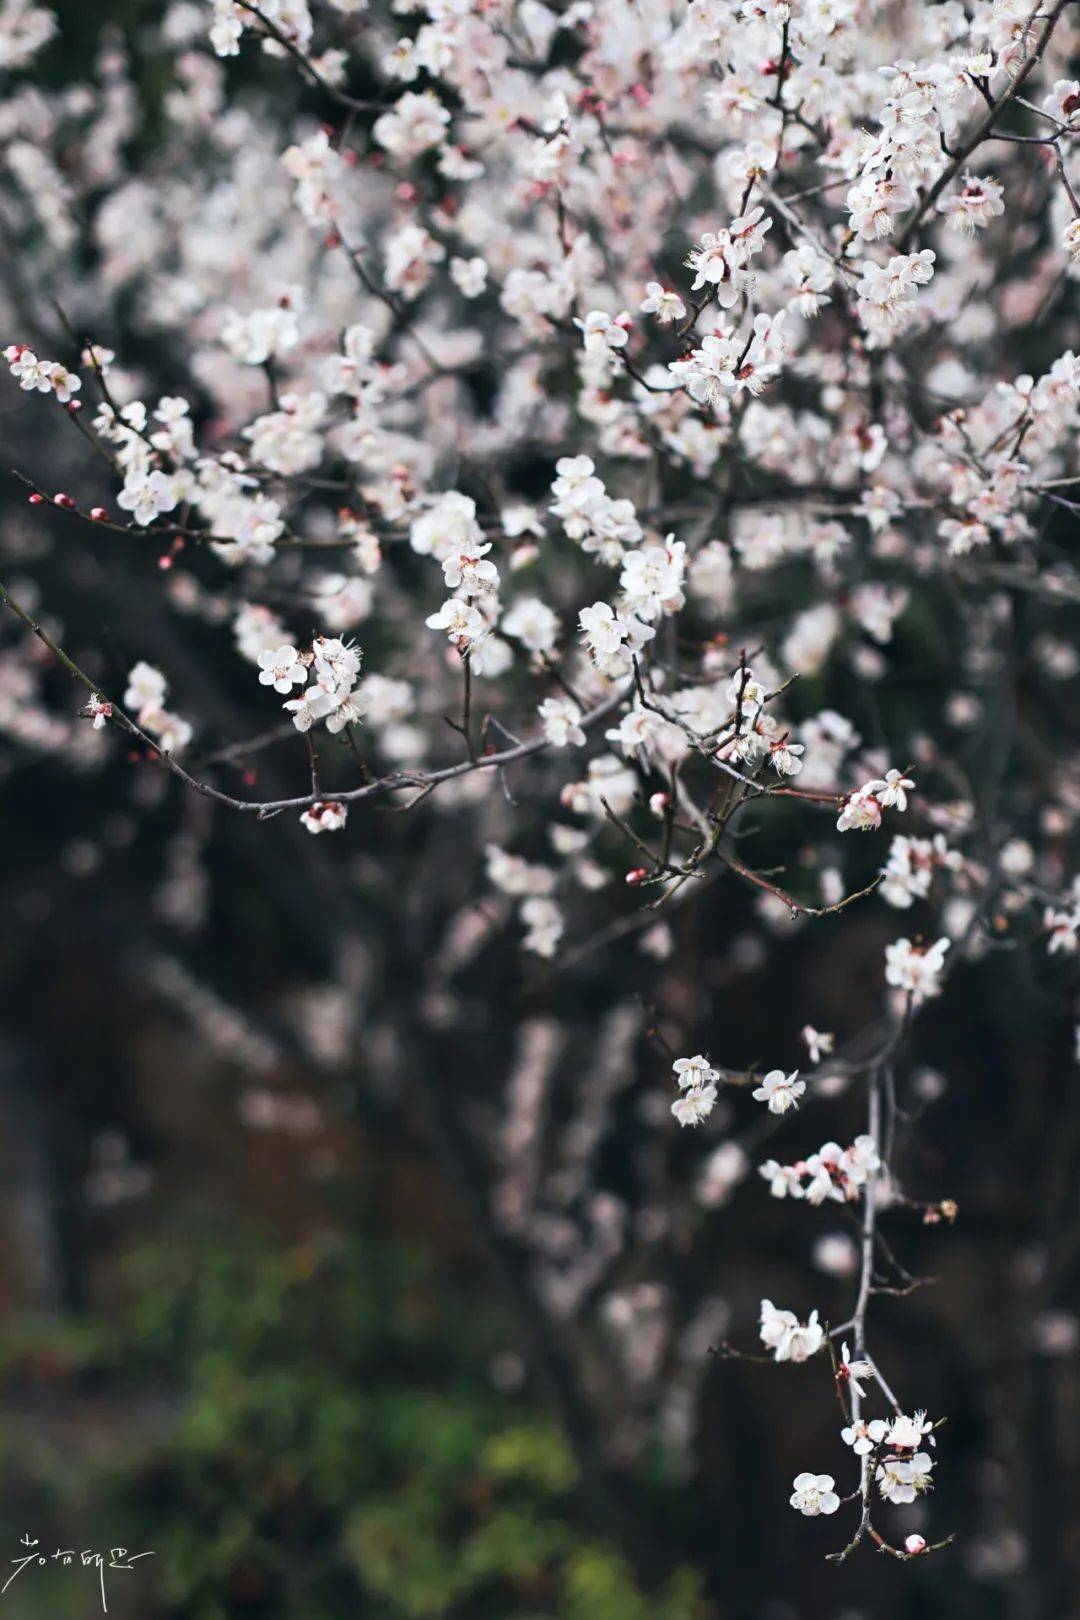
point(330, 1446)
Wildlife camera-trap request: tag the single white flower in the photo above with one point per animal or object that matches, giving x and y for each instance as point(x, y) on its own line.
point(862, 1437)
point(814, 1494)
point(694, 1105)
point(281, 668)
point(818, 1042)
point(892, 789)
point(853, 1372)
point(694, 1071)
point(902, 1479)
point(779, 1090)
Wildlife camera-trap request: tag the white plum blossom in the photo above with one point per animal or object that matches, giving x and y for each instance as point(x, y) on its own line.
point(832, 1173)
point(903, 1479)
point(561, 719)
point(785, 1181)
point(694, 1106)
point(863, 808)
point(469, 275)
point(854, 1372)
point(662, 302)
point(893, 789)
point(696, 1079)
point(146, 688)
point(863, 1436)
point(971, 207)
point(907, 1433)
point(916, 969)
point(464, 624)
point(603, 335)
point(281, 668)
point(313, 704)
point(146, 495)
point(693, 1072)
point(533, 623)
point(413, 125)
point(787, 1337)
point(145, 696)
point(544, 924)
point(819, 1043)
point(41, 376)
point(779, 1091)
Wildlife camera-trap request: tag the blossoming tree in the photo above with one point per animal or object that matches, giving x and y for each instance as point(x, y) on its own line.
point(564, 423)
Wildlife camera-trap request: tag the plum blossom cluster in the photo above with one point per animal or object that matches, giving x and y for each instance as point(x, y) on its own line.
point(863, 809)
point(144, 697)
point(832, 1172)
point(902, 1469)
point(697, 1083)
point(326, 675)
point(787, 1337)
point(41, 376)
point(916, 968)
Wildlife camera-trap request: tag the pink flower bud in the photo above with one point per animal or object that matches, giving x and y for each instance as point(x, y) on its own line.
point(99, 514)
point(636, 875)
point(63, 500)
point(915, 1545)
point(35, 499)
point(659, 804)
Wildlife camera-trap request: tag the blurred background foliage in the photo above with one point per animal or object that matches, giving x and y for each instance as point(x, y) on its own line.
point(315, 1432)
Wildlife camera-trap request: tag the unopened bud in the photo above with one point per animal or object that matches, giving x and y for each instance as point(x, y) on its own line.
point(63, 500)
point(35, 499)
point(636, 875)
point(99, 514)
point(659, 804)
point(915, 1544)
